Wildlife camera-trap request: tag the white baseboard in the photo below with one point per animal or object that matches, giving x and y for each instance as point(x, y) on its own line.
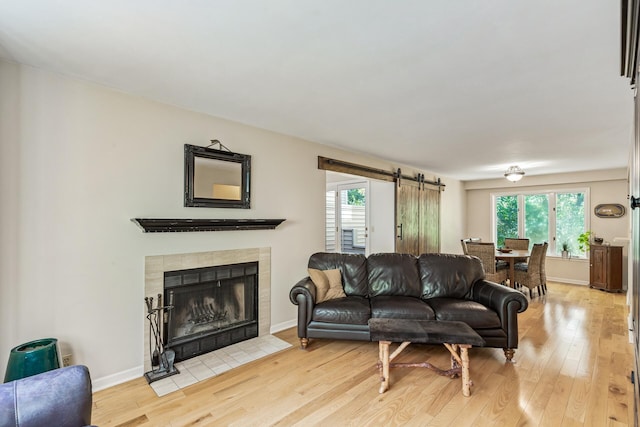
point(284, 325)
point(115, 379)
point(569, 281)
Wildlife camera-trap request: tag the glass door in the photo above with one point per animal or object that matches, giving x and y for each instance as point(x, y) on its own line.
point(347, 218)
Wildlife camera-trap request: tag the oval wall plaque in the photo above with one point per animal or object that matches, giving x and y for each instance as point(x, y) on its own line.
point(609, 210)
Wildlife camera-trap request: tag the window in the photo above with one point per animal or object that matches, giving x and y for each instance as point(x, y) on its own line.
point(570, 221)
point(506, 208)
point(356, 196)
point(556, 217)
point(536, 218)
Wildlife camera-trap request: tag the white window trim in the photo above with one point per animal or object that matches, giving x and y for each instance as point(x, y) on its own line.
point(552, 213)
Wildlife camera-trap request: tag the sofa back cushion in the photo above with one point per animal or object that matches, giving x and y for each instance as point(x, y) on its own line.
point(352, 266)
point(393, 274)
point(446, 275)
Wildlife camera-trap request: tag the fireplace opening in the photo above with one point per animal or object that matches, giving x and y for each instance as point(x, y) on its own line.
point(213, 307)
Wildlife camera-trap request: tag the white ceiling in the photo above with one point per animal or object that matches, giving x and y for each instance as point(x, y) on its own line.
point(462, 88)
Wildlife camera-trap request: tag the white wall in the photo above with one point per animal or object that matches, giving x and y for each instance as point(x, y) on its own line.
point(453, 212)
point(606, 186)
point(9, 209)
point(80, 160)
point(382, 216)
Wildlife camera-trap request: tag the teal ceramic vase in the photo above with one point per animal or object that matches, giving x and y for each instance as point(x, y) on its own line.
point(32, 358)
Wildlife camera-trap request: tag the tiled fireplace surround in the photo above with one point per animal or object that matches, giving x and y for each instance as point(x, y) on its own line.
point(155, 266)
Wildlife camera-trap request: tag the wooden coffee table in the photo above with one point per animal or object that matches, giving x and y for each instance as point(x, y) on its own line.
point(457, 337)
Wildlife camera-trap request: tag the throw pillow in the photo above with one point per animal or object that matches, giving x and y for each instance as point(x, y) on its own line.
point(328, 284)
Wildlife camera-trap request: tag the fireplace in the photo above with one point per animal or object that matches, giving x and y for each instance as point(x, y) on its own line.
point(213, 307)
point(157, 265)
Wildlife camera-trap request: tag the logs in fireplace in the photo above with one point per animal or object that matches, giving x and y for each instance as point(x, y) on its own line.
point(213, 307)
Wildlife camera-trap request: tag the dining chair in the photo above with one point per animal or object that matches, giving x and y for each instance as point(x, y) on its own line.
point(468, 240)
point(543, 270)
point(463, 242)
point(487, 254)
point(529, 274)
point(517, 244)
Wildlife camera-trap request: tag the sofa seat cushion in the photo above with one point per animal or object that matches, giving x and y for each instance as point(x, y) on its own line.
point(521, 266)
point(398, 307)
point(348, 310)
point(472, 313)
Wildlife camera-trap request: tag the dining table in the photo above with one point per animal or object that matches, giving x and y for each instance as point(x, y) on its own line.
point(511, 257)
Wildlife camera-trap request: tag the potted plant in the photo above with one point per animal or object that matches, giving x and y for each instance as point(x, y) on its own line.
point(565, 249)
point(584, 241)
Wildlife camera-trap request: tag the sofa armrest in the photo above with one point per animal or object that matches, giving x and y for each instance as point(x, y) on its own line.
point(499, 298)
point(60, 396)
point(303, 294)
point(507, 303)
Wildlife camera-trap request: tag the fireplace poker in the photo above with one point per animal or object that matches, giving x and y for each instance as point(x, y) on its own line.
point(146, 300)
point(160, 313)
point(153, 317)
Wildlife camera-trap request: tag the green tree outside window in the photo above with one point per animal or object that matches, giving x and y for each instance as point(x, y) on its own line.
point(356, 197)
point(506, 218)
point(569, 220)
point(536, 218)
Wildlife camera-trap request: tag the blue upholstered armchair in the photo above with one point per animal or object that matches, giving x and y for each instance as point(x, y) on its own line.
point(61, 397)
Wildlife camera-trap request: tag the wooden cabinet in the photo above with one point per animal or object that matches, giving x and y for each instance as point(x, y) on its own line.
point(606, 268)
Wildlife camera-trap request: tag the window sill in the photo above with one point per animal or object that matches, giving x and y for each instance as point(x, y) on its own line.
point(558, 257)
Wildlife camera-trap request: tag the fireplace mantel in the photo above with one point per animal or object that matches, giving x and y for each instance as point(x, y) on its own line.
point(160, 225)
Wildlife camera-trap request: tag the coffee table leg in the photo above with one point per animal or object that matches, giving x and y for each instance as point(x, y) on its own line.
point(383, 349)
point(455, 353)
point(460, 359)
point(466, 381)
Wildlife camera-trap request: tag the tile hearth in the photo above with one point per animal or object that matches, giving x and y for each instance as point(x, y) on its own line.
point(216, 362)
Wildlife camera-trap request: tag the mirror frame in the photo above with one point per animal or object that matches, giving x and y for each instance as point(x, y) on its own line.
point(193, 151)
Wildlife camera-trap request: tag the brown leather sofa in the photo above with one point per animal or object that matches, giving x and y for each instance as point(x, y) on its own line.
point(391, 285)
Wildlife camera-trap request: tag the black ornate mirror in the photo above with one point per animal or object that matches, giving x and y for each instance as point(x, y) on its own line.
point(216, 178)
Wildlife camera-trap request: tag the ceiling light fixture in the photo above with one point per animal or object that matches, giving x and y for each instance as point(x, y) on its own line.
point(514, 173)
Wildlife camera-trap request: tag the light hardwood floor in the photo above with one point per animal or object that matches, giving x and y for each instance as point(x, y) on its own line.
point(572, 368)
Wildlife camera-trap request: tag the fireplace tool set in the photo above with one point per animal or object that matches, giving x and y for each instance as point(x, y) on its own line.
point(162, 357)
